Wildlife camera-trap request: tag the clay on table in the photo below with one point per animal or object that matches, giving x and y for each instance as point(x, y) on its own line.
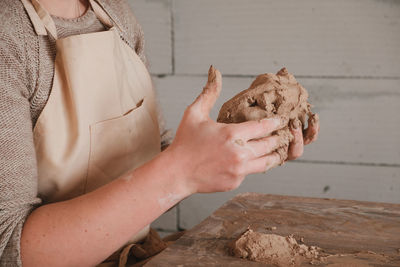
point(273, 249)
point(268, 96)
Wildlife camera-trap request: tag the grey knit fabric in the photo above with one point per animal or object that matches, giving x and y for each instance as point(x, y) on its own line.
point(26, 75)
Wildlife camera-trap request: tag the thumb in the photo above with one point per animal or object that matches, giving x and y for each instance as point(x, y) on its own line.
point(206, 100)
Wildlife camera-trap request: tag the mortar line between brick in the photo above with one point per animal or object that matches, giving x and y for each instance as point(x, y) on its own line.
point(297, 76)
point(172, 36)
point(370, 164)
point(164, 230)
point(178, 216)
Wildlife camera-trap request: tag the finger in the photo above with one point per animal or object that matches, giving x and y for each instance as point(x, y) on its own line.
point(263, 146)
point(211, 91)
point(258, 129)
point(296, 147)
point(311, 134)
point(264, 163)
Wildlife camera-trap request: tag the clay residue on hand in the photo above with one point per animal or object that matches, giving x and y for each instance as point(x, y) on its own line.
point(273, 249)
point(268, 96)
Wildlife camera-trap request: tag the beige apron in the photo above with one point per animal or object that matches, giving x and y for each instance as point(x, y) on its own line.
point(100, 119)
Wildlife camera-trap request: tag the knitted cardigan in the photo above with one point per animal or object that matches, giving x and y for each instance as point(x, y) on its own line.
point(26, 77)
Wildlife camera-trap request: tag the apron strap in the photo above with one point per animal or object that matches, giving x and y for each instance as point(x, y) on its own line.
point(40, 18)
point(103, 15)
point(42, 21)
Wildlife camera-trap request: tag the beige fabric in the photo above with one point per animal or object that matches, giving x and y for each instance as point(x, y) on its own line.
point(39, 27)
point(103, 16)
point(26, 77)
point(44, 16)
point(100, 120)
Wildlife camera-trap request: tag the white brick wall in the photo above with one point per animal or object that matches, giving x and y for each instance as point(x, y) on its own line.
point(345, 52)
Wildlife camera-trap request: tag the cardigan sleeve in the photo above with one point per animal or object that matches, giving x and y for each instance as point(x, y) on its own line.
point(18, 171)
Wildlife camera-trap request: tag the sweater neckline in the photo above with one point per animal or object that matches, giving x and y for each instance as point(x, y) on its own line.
point(86, 19)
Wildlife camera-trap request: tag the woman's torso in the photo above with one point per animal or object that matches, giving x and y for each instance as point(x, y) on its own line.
point(41, 51)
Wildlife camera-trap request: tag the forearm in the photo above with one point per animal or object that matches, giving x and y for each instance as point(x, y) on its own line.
point(85, 230)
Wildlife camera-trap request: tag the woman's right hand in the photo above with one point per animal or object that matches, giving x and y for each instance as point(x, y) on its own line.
point(215, 157)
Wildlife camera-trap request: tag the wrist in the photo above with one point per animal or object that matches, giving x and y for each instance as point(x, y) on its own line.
point(178, 169)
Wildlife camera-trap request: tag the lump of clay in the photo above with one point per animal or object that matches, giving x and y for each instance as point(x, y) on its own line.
point(273, 249)
point(268, 96)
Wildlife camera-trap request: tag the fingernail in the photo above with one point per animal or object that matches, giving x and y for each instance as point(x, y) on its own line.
point(211, 74)
point(296, 123)
point(271, 166)
point(268, 167)
point(315, 118)
point(278, 161)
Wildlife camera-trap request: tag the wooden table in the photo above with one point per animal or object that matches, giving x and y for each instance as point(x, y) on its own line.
point(337, 226)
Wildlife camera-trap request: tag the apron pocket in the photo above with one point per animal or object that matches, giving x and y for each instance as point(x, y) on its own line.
point(120, 144)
